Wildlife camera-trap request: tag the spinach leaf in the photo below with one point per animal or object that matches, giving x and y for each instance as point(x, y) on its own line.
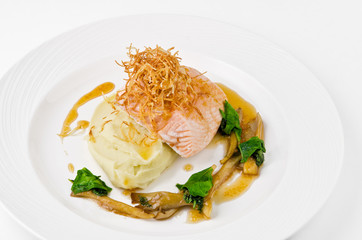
point(199, 183)
point(255, 148)
point(230, 121)
point(86, 181)
point(197, 187)
point(259, 157)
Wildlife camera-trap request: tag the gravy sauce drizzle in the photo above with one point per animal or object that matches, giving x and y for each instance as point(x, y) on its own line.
point(71, 168)
point(188, 167)
point(234, 189)
point(100, 90)
point(249, 112)
point(194, 216)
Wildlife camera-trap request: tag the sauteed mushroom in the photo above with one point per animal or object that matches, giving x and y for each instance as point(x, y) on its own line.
point(115, 206)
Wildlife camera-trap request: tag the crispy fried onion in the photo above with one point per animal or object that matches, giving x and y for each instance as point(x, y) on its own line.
point(156, 86)
point(130, 133)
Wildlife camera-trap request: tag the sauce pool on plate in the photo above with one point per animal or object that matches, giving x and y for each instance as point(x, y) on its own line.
point(71, 168)
point(235, 188)
point(249, 112)
point(188, 167)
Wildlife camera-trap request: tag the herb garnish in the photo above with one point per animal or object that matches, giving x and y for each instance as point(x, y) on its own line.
point(197, 201)
point(255, 148)
point(230, 121)
point(197, 187)
point(86, 181)
point(144, 201)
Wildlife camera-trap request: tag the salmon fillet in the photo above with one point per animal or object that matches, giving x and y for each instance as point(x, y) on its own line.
point(188, 132)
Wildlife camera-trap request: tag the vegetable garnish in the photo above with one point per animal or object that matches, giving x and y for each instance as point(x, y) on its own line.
point(230, 121)
point(255, 148)
point(197, 187)
point(86, 181)
point(144, 201)
point(197, 201)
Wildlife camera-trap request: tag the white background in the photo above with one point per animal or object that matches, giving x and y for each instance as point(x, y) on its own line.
point(325, 35)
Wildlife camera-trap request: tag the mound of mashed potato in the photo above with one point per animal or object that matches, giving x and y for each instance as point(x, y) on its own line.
point(127, 152)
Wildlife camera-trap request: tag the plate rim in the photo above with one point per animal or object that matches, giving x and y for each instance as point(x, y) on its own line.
point(316, 81)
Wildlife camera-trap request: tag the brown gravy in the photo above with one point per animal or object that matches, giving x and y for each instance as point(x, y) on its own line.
point(249, 112)
point(127, 192)
point(194, 216)
point(235, 188)
point(188, 167)
point(73, 113)
point(71, 168)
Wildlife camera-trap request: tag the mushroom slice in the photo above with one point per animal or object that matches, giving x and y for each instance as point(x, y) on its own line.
point(223, 174)
point(207, 208)
point(257, 126)
point(159, 201)
point(233, 144)
point(250, 167)
point(254, 128)
point(233, 141)
point(115, 206)
point(260, 127)
point(166, 214)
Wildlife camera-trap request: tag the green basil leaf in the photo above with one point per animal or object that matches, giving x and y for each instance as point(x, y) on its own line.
point(253, 147)
point(230, 121)
point(86, 181)
point(199, 184)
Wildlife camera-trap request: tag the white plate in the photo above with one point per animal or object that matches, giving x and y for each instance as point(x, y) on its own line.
point(303, 132)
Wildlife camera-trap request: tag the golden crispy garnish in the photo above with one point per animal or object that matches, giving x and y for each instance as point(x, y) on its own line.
point(156, 86)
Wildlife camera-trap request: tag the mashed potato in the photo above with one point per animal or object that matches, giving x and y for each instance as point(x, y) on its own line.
point(127, 152)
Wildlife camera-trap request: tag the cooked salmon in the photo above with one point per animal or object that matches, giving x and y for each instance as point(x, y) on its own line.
point(175, 102)
point(187, 132)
